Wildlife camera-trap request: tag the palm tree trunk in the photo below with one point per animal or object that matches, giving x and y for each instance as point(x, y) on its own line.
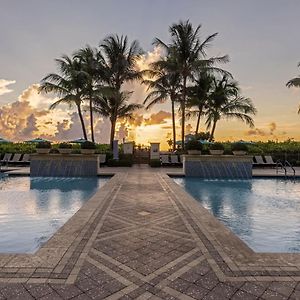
point(213, 131)
point(173, 125)
point(112, 133)
point(92, 119)
point(81, 121)
point(198, 120)
point(183, 112)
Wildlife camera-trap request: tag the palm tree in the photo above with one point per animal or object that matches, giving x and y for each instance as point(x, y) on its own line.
point(118, 67)
point(69, 86)
point(225, 101)
point(91, 64)
point(114, 106)
point(295, 82)
point(198, 95)
point(189, 54)
point(164, 86)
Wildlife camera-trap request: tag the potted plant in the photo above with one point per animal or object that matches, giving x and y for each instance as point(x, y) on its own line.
point(88, 147)
point(43, 147)
point(239, 149)
point(216, 149)
point(65, 148)
point(193, 147)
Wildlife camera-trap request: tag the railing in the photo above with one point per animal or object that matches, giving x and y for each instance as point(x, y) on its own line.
point(284, 168)
point(287, 164)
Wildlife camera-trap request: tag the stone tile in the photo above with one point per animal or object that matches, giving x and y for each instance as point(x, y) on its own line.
point(269, 294)
point(38, 290)
point(66, 291)
point(282, 288)
point(242, 295)
point(208, 281)
point(254, 289)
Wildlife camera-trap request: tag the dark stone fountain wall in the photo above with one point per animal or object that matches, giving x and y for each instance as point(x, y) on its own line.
point(218, 166)
point(64, 165)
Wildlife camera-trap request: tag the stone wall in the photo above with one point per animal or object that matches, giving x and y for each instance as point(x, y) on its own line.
point(218, 166)
point(60, 165)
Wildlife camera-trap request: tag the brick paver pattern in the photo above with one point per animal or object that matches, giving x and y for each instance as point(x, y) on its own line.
point(145, 245)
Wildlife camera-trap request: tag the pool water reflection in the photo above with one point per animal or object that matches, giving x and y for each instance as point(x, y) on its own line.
point(33, 209)
point(264, 213)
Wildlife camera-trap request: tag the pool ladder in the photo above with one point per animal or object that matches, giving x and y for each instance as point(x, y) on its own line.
point(285, 168)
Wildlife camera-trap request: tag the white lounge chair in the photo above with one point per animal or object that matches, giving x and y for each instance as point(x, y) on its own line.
point(259, 161)
point(15, 159)
point(6, 158)
point(164, 159)
point(269, 161)
point(25, 159)
point(174, 159)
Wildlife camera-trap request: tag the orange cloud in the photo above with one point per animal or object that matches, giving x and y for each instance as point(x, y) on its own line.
point(157, 118)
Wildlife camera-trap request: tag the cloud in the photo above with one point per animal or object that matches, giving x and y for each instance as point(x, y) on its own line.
point(140, 90)
point(157, 118)
point(256, 131)
point(270, 131)
point(3, 86)
point(272, 127)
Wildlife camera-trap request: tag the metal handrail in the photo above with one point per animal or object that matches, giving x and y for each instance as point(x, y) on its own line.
point(287, 163)
point(280, 164)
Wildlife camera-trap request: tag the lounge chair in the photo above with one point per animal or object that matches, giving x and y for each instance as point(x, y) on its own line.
point(25, 159)
point(174, 159)
point(15, 159)
point(269, 161)
point(164, 159)
point(6, 158)
point(259, 160)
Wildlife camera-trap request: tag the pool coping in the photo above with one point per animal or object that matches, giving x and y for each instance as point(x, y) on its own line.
point(60, 258)
point(229, 256)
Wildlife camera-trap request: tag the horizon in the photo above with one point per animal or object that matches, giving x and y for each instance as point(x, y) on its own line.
point(263, 56)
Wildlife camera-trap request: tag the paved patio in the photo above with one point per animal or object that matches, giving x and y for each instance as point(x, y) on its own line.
point(142, 237)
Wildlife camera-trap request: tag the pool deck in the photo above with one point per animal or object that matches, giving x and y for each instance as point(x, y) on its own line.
point(142, 236)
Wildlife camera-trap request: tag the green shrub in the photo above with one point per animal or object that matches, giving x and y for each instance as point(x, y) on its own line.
point(65, 146)
point(239, 147)
point(88, 145)
point(217, 146)
point(193, 145)
point(119, 163)
point(43, 145)
point(154, 163)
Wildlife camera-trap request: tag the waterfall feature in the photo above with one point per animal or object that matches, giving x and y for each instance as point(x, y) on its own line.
point(218, 166)
point(64, 165)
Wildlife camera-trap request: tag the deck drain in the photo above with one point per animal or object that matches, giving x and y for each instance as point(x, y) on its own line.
point(143, 213)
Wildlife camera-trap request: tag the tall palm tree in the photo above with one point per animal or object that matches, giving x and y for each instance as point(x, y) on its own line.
point(118, 67)
point(69, 85)
point(294, 82)
point(164, 85)
point(198, 95)
point(115, 106)
point(189, 53)
point(91, 64)
point(225, 101)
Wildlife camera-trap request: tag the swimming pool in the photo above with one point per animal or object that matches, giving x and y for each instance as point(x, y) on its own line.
point(264, 213)
point(33, 209)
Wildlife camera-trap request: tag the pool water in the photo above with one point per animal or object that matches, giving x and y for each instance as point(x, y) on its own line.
point(264, 213)
point(33, 209)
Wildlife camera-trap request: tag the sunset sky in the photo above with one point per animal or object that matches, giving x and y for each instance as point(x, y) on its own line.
point(261, 37)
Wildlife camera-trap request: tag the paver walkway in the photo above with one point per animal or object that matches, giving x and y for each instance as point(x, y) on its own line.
point(146, 241)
